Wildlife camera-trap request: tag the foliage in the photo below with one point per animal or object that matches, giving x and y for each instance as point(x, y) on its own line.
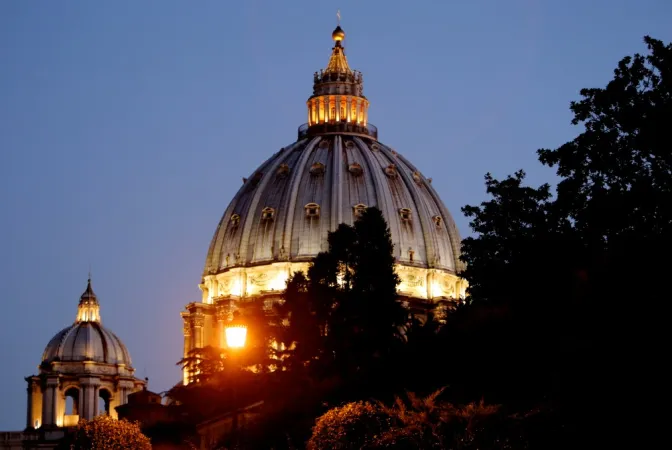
point(344, 312)
point(553, 278)
point(351, 426)
point(106, 433)
point(617, 174)
point(414, 422)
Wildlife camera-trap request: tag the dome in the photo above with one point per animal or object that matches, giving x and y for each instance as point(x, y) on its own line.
point(286, 208)
point(87, 339)
point(280, 218)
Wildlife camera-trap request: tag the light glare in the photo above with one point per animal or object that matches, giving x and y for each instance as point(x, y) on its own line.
point(235, 336)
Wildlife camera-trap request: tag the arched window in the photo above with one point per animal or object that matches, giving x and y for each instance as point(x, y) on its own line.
point(235, 220)
point(317, 168)
point(312, 210)
point(359, 209)
point(267, 213)
point(405, 214)
point(72, 401)
point(104, 398)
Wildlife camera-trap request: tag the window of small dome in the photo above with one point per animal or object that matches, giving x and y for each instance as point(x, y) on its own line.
point(235, 219)
point(437, 220)
point(349, 144)
point(317, 168)
point(391, 170)
point(417, 178)
point(324, 143)
point(312, 210)
point(375, 147)
point(283, 170)
point(355, 169)
point(267, 213)
point(359, 209)
point(405, 214)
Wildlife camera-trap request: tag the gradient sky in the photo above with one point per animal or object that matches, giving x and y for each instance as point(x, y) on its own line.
point(126, 127)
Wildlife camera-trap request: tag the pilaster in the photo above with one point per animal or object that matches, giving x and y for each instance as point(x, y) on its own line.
point(89, 395)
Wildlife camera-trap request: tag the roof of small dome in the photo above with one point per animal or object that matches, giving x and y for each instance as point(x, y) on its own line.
point(87, 339)
point(267, 219)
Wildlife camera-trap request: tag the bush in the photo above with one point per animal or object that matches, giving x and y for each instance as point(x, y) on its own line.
point(351, 426)
point(106, 433)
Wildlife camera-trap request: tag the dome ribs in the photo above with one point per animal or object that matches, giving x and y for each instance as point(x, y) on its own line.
point(448, 223)
point(337, 182)
point(292, 206)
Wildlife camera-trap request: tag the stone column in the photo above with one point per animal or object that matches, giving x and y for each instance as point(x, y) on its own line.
point(56, 405)
point(430, 285)
point(199, 322)
point(49, 402)
point(348, 109)
point(337, 104)
point(222, 316)
point(29, 414)
point(188, 345)
point(89, 402)
point(186, 330)
point(126, 388)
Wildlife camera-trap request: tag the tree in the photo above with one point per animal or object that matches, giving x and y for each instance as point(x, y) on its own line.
point(344, 313)
point(351, 426)
point(562, 286)
point(106, 433)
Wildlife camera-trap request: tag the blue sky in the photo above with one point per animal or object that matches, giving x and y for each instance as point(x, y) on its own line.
point(126, 127)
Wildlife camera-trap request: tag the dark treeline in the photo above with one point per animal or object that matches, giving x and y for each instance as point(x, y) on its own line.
point(563, 315)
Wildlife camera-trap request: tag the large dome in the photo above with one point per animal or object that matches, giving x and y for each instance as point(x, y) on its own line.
point(285, 209)
point(87, 339)
point(280, 218)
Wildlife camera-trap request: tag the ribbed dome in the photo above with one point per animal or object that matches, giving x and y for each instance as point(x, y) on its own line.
point(289, 204)
point(86, 341)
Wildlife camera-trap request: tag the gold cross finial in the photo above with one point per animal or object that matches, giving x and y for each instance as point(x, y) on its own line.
point(338, 16)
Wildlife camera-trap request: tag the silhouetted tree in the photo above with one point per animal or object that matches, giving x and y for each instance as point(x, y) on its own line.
point(561, 288)
point(345, 312)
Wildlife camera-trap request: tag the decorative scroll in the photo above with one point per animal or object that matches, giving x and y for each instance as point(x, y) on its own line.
point(414, 280)
point(260, 279)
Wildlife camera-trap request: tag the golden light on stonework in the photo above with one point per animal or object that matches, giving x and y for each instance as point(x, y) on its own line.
point(236, 334)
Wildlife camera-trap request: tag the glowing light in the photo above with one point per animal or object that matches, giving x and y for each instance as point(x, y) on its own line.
point(236, 335)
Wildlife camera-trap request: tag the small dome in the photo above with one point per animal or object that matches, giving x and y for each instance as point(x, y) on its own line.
point(86, 341)
point(338, 34)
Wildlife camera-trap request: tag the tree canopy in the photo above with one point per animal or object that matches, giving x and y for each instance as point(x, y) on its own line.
point(106, 433)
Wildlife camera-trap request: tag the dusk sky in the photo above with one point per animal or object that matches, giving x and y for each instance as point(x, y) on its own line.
point(126, 127)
